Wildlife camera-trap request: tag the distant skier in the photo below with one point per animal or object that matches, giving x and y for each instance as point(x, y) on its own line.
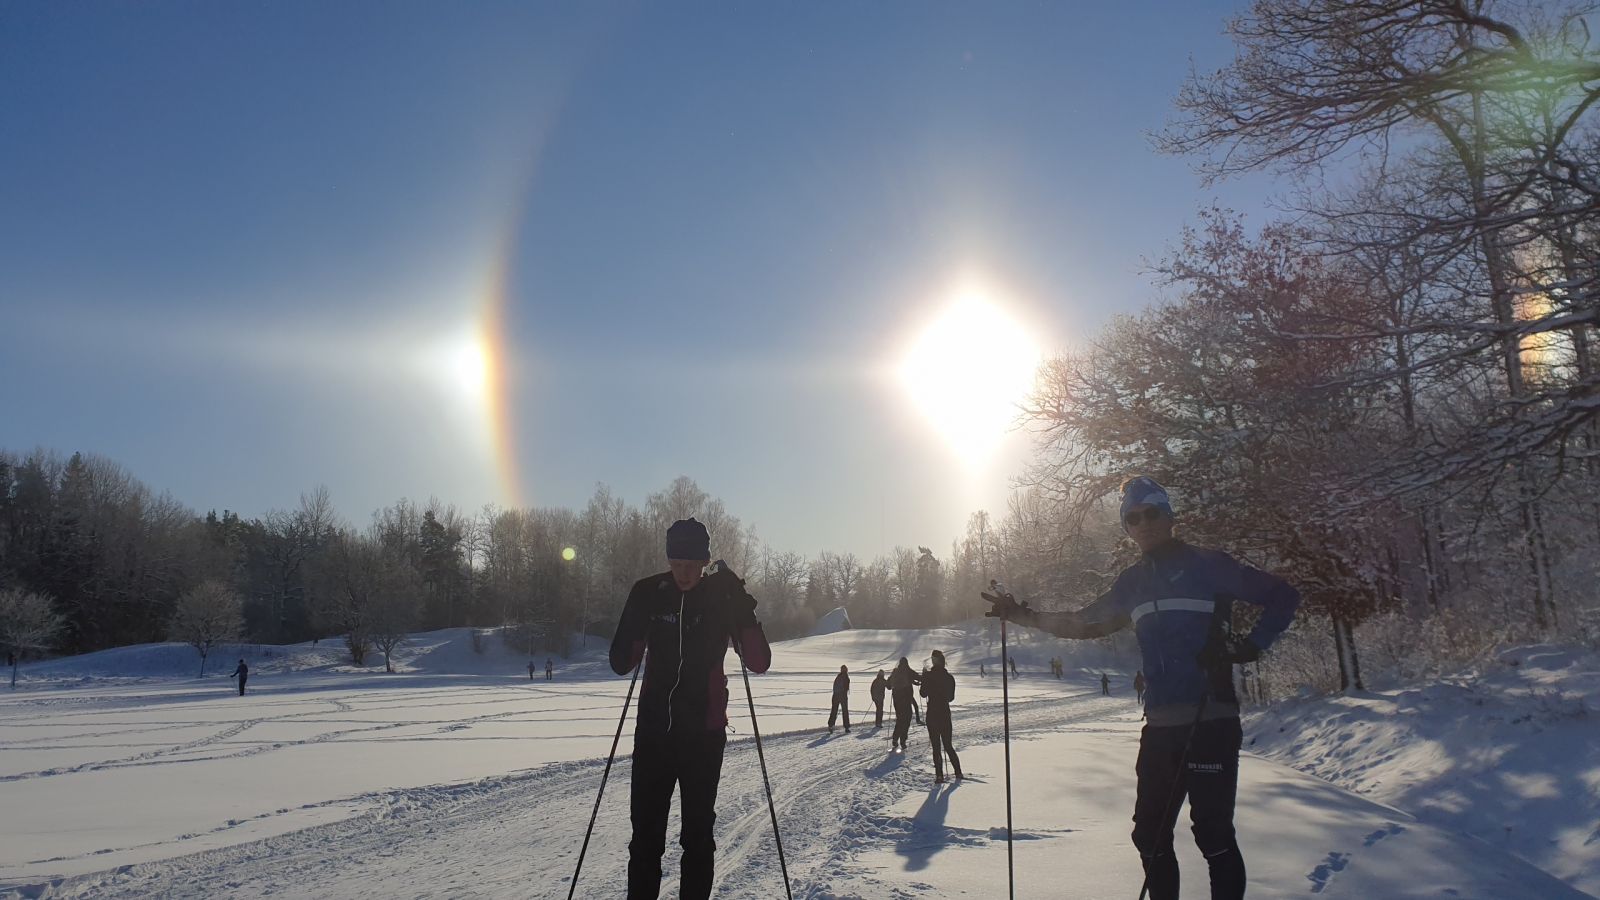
point(531, 669)
point(901, 681)
point(549, 669)
point(679, 624)
point(982, 671)
point(879, 686)
point(1138, 685)
point(939, 686)
point(1179, 600)
point(1105, 685)
point(243, 674)
point(841, 699)
point(1013, 660)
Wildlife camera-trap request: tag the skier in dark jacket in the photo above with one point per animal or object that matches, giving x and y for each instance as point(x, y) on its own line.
point(879, 686)
point(1105, 685)
point(901, 681)
point(841, 699)
point(1138, 685)
point(243, 674)
point(939, 686)
point(549, 669)
point(680, 623)
point(1178, 599)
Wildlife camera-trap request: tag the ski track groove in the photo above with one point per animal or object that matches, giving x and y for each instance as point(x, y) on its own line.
point(488, 838)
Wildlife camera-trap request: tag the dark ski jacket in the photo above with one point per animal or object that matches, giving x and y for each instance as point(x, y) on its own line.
point(841, 685)
point(902, 680)
point(1169, 596)
point(939, 686)
point(243, 671)
point(682, 638)
point(879, 685)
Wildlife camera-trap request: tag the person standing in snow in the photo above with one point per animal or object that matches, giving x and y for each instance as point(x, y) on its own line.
point(531, 670)
point(1138, 685)
point(549, 669)
point(841, 699)
point(243, 674)
point(1105, 685)
point(939, 686)
point(1178, 599)
point(679, 624)
point(983, 672)
point(901, 681)
point(1013, 666)
point(879, 686)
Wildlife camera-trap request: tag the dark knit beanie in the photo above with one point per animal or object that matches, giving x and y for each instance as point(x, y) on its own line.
point(687, 539)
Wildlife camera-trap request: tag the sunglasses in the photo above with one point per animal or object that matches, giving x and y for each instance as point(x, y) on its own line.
point(1153, 514)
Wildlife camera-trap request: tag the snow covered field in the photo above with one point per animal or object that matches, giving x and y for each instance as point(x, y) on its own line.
point(121, 774)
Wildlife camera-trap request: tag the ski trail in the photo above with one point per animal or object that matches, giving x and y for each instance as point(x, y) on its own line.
point(518, 835)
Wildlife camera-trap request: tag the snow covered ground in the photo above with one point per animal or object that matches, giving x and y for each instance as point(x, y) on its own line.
point(121, 774)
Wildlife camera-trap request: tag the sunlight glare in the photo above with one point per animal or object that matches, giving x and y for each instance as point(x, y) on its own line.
point(968, 370)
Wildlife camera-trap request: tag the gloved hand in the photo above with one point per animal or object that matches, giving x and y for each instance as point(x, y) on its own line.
point(1005, 606)
point(1227, 650)
point(731, 587)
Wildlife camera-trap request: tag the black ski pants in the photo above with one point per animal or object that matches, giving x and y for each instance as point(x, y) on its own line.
point(939, 735)
point(841, 703)
point(902, 718)
point(1210, 779)
point(691, 760)
point(878, 702)
point(242, 680)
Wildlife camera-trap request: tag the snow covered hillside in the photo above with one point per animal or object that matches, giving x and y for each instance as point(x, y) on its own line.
point(122, 774)
point(1509, 753)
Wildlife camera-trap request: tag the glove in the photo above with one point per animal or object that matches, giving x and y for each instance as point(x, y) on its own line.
point(1227, 651)
point(731, 587)
point(1004, 606)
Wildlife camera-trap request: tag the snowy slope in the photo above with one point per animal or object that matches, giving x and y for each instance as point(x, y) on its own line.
point(460, 779)
point(1509, 753)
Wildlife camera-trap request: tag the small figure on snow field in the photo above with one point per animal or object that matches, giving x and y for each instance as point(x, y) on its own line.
point(879, 686)
point(680, 623)
point(841, 699)
point(549, 669)
point(1013, 667)
point(243, 674)
point(1105, 685)
point(1178, 599)
point(1138, 685)
point(531, 669)
point(939, 686)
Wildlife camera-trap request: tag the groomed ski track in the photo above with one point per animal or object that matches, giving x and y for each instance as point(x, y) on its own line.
point(518, 835)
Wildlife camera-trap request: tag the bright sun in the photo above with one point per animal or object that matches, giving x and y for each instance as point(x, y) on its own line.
point(469, 364)
point(968, 370)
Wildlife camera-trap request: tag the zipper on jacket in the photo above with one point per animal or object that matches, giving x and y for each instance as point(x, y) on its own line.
point(679, 679)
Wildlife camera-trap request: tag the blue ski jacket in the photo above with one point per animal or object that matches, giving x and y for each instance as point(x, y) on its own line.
point(1170, 597)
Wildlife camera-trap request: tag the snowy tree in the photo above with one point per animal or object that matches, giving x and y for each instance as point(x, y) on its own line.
point(29, 623)
point(206, 615)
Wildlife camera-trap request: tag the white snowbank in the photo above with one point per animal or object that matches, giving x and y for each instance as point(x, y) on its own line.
point(1507, 753)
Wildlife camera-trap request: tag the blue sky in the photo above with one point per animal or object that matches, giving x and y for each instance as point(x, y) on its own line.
point(241, 244)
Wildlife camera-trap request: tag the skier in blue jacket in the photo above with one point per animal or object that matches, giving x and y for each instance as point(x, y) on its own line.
point(1178, 598)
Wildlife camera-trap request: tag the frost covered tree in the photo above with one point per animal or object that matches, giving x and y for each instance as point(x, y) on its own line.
point(29, 623)
point(206, 615)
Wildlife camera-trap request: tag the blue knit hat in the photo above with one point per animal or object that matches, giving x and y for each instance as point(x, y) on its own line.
point(1145, 491)
point(687, 539)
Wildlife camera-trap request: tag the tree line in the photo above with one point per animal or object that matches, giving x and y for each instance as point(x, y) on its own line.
point(91, 557)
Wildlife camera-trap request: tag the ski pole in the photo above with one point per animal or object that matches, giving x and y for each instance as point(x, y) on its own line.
point(1005, 711)
point(755, 728)
point(607, 774)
